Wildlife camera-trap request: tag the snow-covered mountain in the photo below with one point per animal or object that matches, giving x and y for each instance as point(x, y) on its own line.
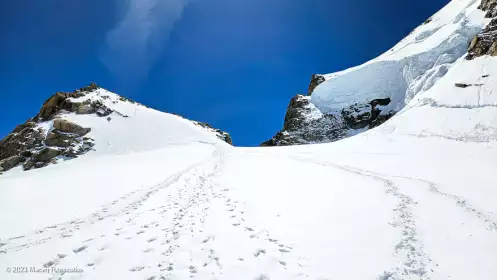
point(160, 197)
point(346, 103)
point(92, 119)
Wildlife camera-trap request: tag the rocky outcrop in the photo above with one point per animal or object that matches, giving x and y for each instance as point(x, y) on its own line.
point(219, 133)
point(489, 6)
point(305, 124)
point(316, 80)
point(29, 143)
point(485, 43)
point(24, 137)
point(69, 127)
point(61, 102)
point(10, 162)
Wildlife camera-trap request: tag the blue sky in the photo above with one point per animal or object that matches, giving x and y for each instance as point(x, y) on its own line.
point(232, 63)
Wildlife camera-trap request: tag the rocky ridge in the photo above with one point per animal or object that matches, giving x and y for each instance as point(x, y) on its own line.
point(49, 138)
point(306, 124)
point(485, 43)
point(222, 135)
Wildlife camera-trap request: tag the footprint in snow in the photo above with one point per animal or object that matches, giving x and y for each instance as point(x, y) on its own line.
point(137, 268)
point(259, 252)
point(80, 249)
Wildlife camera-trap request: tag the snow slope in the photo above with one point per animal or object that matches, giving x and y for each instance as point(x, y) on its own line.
point(413, 199)
point(143, 129)
point(411, 67)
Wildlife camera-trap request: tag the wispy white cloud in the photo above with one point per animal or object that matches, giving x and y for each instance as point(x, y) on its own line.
point(137, 40)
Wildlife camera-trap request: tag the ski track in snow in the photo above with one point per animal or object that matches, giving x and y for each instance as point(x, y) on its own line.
point(459, 201)
point(164, 230)
point(132, 201)
point(416, 263)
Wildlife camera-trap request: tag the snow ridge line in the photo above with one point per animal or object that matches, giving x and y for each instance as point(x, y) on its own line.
point(409, 247)
point(19, 243)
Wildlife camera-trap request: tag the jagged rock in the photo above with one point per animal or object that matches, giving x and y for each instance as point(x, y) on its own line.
point(28, 165)
point(49, 108)
point(85, 109)
point(219, 133)
point(306, 124)
point(10, 162)
point(26, 154)
point(35, 148)
point(92, 87)
point(24, 139)
point(45, 155)
point(70, 127)
point(316, 80)
point(489, 6)
point(485, 43)
point(56, 139)
point(225, 137)
point(20, 127)
point(103, 111)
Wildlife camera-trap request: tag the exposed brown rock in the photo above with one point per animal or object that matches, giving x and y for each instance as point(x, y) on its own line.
point(70, 127)
point(316, 80)
point(84, 109)
point(485, 43)
point(55, 139)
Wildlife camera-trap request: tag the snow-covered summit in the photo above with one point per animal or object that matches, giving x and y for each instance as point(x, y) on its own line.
point(362, 97)
point(96, 121)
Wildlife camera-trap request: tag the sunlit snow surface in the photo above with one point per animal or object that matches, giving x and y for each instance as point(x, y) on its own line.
point(410, 67)
point(161, 198)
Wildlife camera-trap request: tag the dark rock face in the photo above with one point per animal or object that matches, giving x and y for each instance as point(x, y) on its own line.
point(316, 80)
point(45, 155)
point(299, 128)
point(35, 147)
point(485, 43)
point(10, 162)
point(489, 6)
point(305, 124)
point(57, 139)
point(64, 140)
point(27, 138)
